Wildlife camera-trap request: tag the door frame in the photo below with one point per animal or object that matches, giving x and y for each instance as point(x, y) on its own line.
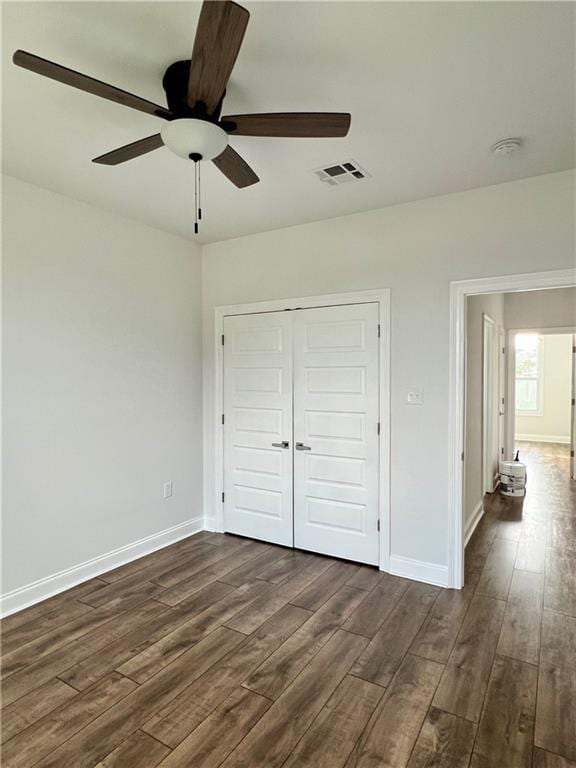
point(459, 292)
point(381, 296)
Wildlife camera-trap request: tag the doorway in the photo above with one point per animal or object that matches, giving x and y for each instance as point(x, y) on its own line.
point(460, 291)
point(304, 425)
point(543, 390)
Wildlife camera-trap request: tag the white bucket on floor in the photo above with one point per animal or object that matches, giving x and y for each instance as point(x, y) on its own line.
point(512, 478)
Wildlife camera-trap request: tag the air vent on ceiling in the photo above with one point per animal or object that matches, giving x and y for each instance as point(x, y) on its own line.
point(341, 173)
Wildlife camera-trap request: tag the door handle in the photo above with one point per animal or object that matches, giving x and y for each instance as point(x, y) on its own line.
point(302, 447)
point(283, 444)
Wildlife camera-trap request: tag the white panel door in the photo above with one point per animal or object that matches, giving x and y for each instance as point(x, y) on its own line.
point(488, 400)
point(336, 379)
point(501, 393)
point(258, 426)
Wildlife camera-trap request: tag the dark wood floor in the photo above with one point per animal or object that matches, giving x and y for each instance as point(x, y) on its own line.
point(224, 652)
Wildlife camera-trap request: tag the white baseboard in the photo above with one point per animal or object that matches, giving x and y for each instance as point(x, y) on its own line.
point(564, 439)
point(23, 597)
point(419, 570)
point(473, 522)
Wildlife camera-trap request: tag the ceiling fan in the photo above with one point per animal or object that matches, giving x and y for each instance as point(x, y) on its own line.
point(195, 90)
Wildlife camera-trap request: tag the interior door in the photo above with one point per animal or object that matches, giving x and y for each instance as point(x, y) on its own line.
point(501, 393)
point(488, 443)
point(336, 383)
point(258, 426)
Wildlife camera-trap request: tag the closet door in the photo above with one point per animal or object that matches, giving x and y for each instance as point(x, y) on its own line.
point(258, 426)
point(336, 381)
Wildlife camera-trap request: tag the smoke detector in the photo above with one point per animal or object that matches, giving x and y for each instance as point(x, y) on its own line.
point(341, 173)
point(506, 147)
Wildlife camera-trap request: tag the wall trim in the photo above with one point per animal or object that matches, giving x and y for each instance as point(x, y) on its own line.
point(419, 570)
point(381, 296)
point(36, 591)
point(544, 438)
point(475, 518)
point(459, 292)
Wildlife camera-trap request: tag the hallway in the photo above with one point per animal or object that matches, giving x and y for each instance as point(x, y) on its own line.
point(521, 566)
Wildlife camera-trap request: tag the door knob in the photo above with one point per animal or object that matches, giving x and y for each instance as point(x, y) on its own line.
point(283, 444)
point(302, 447)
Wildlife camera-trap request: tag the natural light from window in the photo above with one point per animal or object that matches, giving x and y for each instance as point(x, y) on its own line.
point(527, 373)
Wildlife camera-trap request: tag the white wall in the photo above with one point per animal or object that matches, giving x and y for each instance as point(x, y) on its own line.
point(553, 425)
point(415, 249)
point(553, 308)
point(492, 305)
point(102, 382)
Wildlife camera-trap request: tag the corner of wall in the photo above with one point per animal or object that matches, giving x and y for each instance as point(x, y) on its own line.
point(33, 593)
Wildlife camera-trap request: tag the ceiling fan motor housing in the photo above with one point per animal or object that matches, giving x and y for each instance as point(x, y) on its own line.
point(175, 84)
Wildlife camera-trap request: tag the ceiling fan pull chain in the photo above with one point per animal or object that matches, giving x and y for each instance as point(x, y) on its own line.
point(196, 157)
point(195, 197)
point(199, 194)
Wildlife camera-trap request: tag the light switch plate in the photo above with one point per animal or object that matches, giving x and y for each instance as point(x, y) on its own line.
point(415, 396)
point(168, 489)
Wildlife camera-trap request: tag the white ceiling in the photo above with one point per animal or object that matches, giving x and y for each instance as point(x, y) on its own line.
point(430, 87)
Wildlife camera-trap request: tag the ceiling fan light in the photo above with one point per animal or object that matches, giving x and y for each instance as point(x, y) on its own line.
point(189, 136)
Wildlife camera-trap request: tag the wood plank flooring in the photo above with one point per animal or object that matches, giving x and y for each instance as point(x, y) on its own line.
point(224, 652)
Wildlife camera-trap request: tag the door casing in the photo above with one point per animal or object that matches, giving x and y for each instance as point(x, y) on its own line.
point(380, 296)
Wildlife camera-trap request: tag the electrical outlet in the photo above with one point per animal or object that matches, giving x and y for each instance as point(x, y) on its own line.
point(168, 489)
point(415, 396)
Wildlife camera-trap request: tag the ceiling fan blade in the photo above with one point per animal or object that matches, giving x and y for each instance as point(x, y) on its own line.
point(289, 124)
point(129, 151)
point(235, 168)
point(85, 83)
point(218, 39)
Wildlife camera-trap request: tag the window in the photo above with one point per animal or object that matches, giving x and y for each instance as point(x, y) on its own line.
point(528, 374)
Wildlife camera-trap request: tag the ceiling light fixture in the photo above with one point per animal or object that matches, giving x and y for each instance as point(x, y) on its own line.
point(187, 136)
point(196, 140)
